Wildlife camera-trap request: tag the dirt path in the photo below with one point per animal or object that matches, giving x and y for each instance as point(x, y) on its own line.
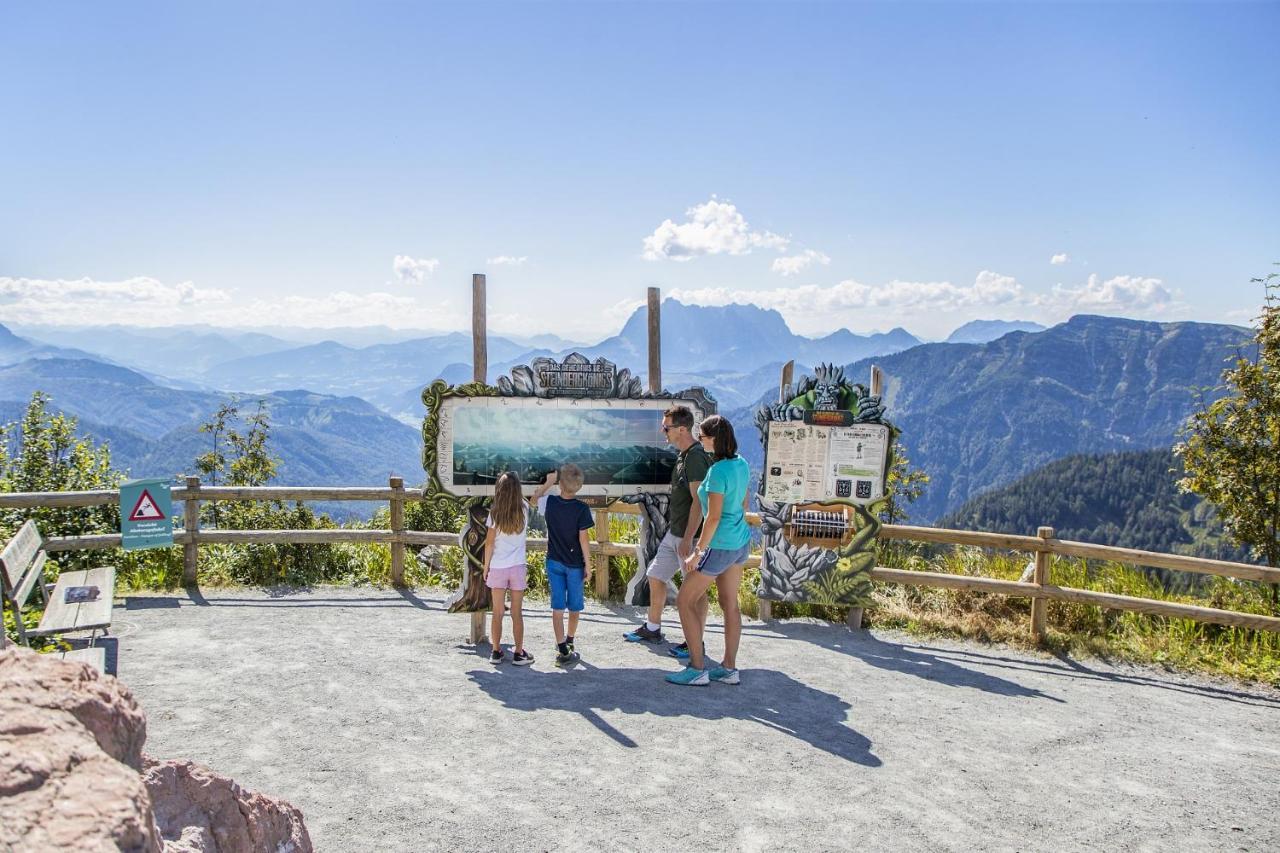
point(365, 709)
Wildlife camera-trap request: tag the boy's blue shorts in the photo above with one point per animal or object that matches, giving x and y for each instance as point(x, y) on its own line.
point(566, 585)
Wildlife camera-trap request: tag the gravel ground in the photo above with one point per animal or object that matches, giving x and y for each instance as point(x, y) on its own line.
point(367, 710)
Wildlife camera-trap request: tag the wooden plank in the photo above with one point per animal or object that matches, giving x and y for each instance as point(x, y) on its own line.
point(292, 493)
point(29, 580)
point(60, 616)
point(1175, 562)
point(1172, 609)
point(30, 500)
point(479, 330)
point(19, 552)
point(101, 497)
point(655, 340)
point(94, 656)
point(961, 537)
point(945, 581)
point(303, 537)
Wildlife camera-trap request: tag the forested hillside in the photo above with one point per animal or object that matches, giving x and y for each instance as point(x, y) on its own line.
point(1126, 499)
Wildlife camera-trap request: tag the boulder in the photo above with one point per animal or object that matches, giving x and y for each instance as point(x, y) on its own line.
point(73, 776)
point(100, 703)
point(69, 741)
point(199, 810)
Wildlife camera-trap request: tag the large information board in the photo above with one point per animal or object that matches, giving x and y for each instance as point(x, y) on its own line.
point(619, 444)
point(813, 462)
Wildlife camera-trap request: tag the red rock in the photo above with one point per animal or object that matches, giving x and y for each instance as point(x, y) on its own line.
point(71, 775)
point(199, 810)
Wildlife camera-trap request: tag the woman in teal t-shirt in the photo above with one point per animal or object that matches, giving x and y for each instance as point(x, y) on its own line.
point(718, 556)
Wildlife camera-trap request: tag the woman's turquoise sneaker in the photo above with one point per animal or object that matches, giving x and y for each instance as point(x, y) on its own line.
point(690, 676)
point(724, 676)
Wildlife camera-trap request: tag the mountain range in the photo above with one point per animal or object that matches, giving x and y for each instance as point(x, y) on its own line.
point(974, 415)
point(154, 430)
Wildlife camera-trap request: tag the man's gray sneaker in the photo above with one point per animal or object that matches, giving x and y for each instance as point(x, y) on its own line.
point(643, 635)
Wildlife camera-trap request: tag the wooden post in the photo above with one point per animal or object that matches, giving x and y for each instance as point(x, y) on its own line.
point(191, 524)
point(479, 330)
point(877, 381)
point(601, 558)
point(397, 528)
point(655, 340)
point(1041, 577)
point(764, 606)
point(479, 373)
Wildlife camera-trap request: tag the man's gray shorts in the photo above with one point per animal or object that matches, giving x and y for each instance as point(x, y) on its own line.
point(667, 561)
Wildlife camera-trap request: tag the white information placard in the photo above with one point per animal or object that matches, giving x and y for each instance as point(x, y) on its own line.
point(809, 462)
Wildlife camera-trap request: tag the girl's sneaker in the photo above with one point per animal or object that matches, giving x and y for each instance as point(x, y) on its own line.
point(523, 658)
point(495, 657)
point(724, 676)
point(567, 659)
point(690, 677)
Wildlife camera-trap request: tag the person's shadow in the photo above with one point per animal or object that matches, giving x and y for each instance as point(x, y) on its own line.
point(772, 699)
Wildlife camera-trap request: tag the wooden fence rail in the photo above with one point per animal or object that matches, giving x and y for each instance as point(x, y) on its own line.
point(1035, 585)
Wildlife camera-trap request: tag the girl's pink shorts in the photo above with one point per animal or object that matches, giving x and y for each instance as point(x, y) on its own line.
point(514, 577)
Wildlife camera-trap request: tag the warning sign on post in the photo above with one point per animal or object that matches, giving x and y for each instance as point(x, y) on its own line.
point(146, 510)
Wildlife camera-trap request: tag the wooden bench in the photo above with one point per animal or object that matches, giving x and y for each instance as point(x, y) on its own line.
point(22, 565)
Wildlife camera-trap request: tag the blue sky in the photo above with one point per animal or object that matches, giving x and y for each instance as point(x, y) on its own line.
point(852, 165)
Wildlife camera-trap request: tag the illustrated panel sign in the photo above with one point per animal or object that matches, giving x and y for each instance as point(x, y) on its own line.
point(618, 443)
point(146, 512)
point(812, 462)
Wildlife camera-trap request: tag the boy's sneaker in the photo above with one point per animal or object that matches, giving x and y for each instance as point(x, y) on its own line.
point(690, 677)
point(523, 658)
point(643, 635)
point(724, 676)
point(566, 659)
point(495, 656)
point(681, 651)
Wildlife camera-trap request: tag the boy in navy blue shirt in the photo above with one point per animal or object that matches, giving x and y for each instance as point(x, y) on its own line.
point(568, 552)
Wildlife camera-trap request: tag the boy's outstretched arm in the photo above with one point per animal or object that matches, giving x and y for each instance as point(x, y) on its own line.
point(543, 489)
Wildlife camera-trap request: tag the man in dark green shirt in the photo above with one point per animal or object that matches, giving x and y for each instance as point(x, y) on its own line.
point(684, 518)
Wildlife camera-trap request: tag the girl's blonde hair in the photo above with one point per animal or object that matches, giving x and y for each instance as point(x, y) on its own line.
point(508, 504)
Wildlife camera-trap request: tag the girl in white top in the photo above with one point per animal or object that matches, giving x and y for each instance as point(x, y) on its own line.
point(504, 563)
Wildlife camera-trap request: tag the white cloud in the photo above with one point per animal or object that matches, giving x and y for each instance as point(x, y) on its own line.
point(789, 265)
point(713, 228)
point(989, 288)
point(413, 270)
point(87, 301)
point(142, 301)
point(1121, 293)
point(1059, 259)
point(507, 260)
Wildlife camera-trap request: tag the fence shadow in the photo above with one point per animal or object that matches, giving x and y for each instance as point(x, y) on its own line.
point(898, 657)
point(772, 699)
point(1062, 665)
